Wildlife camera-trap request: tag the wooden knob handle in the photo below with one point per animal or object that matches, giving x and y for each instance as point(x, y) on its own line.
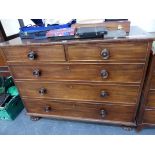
point(47, 108)
point(104, 74)
point(42, 91)
point(36, 72)
point(103, 113)
point(105, 54)
point(104, 94)
point(32, 55)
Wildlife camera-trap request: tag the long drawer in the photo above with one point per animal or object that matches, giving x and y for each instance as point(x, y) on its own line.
point(121, 73)
point(81, 92)
point(108, 51)
point(100, 112)
point(33, 54)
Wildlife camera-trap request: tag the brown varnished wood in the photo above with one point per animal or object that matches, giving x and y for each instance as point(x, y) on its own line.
point(150, 98)
point(118, 51)
point(34, 63)
point(149, 116)
point(146, 111)
point(142, 95)
point(48, 53)
point(58, 117)
point(117, 73)
point(4, 71)
point(82, 92)
point(2, 59)
point(81, 110)
point(138, 106)
point(150, 101)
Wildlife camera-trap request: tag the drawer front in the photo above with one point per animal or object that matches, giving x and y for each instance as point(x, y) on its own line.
point(81, 92)
point(105, 52)
point(35, 54)
point(125, 73)
point(149, 116)
point(151, 99)
point(82, 111)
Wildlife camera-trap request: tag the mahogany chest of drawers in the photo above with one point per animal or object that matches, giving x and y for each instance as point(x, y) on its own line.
point(89, 80)
point(146, 115)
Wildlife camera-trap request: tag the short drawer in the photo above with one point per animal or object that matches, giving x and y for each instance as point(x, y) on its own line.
point(121, 73)
point(35, 54)
point(81, 111)
point(82, 92)
point(149, 116)
point(108, 51)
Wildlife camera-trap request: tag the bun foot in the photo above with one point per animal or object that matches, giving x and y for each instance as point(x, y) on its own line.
point(34, 118)
point(139, 128)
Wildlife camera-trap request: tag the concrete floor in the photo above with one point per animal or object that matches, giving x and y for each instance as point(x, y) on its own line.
point(22, 125)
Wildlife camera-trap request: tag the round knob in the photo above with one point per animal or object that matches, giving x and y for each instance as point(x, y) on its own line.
point(47, 108)
point(32, 55)
point(104, 94)
point(42, 91)
point(36, 72)
point(104, 74)
point(103, 113)
point(105, 54)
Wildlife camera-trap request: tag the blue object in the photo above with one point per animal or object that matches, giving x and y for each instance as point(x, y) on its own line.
point(39, 32)
point(38, 21)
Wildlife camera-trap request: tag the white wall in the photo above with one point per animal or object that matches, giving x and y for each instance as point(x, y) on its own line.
point(11, 26)
point(28, 22)
point(140, 12)
point(146, 24)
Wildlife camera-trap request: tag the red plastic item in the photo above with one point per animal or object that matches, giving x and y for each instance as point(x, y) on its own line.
point(61, 32)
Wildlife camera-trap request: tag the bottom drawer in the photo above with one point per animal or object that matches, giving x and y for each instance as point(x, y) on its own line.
point(149, 116)
point(82, 111)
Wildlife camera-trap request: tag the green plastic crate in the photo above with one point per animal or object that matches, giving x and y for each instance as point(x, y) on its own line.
point(11, 109)
point(7, 84)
